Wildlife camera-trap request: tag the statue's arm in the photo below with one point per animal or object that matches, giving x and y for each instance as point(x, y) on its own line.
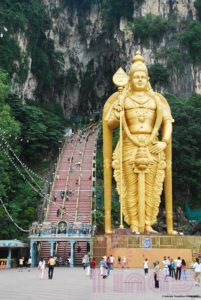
point(167, 119)
point(167, 125)
point(167, 131)
point(112, 117)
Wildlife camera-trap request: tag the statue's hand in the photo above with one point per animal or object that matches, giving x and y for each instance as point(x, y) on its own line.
point(158, 147)
point(117, 110)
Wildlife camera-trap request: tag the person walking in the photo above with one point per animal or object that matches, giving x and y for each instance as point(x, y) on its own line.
point(51, 265)
point(156, 273)
point(172, 268)
point(92, 267)
point(29, 262)
point(112, 261)
point(183, 270)
point(124, 262)
point(119, 262)
point(178, 268)
point(108, 266)
point(21, 264)
point(197, 270)
point(87, 265)
point(165, 267)
point(41, 267)
point(102, 266)
point(84, 259)
point(168, 261)
point(146, 267)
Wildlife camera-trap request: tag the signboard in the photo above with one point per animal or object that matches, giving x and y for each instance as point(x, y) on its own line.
point(146, 242)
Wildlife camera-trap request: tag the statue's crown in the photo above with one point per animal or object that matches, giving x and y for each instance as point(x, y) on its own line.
point(138, 64)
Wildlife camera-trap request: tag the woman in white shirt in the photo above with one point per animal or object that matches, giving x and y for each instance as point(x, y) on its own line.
point(41, 267)
point(124, 262)
point(146, 267)
point(165, 267)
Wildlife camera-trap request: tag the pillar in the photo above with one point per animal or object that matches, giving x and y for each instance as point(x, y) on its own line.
point(8, 262)
point(33, 253)
point(51, 248)
point(72, 254)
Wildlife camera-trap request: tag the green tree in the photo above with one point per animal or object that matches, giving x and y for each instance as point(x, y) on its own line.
point(159, 75)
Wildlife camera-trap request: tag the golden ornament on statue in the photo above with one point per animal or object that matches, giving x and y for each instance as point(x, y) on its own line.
point(120, 78)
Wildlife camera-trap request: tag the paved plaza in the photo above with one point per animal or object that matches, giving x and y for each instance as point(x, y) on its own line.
point(74, 284)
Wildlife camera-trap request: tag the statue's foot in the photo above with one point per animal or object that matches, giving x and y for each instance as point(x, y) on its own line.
point(135, 230)
point(150, 230)
point(173, 232)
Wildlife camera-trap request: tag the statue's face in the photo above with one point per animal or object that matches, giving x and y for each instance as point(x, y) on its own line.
point(139, 80)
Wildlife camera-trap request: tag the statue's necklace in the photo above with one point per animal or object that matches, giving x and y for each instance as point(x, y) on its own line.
point(141, 103)
point(143, 110)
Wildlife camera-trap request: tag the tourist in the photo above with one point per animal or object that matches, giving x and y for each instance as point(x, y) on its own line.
point(124, 262)
point(108, 266)
point(172, 268)
point(84, 259)
point(197, 270)
point(168, 259)
point(92, 266)
point(165, 267)
point(119, 261)
point(178, 268)
point(62, 194)
point(112, 261)
point(156, 273)
point(146, 267)
point(29, 262)
point(41, 267)
point(105, 258)
point(51, 265)
point(58, 212)
point(55, 196)
point(68, 262)
point(183, 270)
point(102, 266)
point(21, 264)
point(87, 266)
point(59, 261)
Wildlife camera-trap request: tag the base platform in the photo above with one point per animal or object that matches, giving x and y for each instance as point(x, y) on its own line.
point(153, 247)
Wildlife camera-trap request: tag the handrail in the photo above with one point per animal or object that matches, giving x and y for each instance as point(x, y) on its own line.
point(80, 175)
point(94, 156)
point(54, 179)
point(67, 179)
point(81, 169)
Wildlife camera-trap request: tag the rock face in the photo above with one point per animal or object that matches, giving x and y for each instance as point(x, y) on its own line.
point(92, 53)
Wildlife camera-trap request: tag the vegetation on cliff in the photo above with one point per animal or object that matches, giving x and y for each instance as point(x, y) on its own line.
point(29, 133)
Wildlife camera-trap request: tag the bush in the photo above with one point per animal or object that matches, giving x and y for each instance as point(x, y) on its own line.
point(151, 27)
point(197, 5)
point(158, 74)
point(190, 38)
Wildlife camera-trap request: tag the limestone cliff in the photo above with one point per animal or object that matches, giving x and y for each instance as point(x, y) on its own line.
point(93, 48)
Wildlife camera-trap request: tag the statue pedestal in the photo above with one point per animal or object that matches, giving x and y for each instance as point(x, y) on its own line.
point(138, 247)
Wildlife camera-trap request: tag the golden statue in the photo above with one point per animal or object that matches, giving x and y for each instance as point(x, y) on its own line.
point(141, 160)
